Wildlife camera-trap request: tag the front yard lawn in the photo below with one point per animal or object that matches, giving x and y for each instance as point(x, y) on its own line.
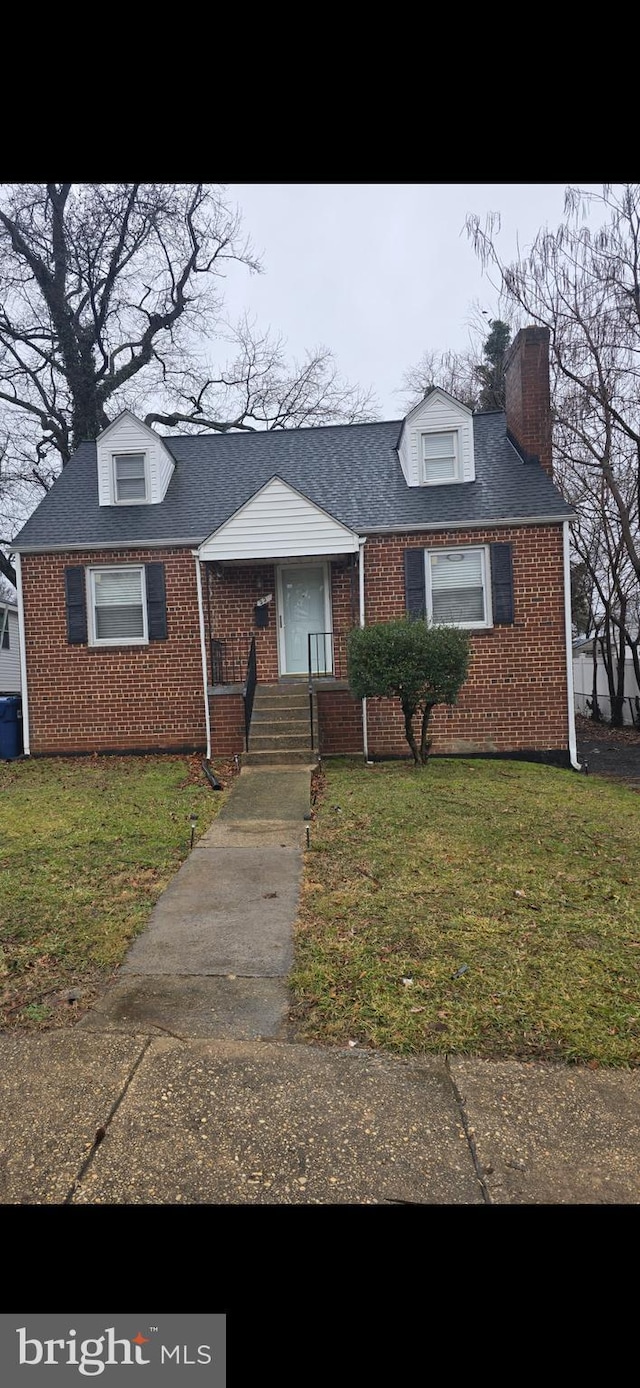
point(86, 847)
point(488, 908)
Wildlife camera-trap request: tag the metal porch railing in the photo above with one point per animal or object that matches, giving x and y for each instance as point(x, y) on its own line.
point(229, 658)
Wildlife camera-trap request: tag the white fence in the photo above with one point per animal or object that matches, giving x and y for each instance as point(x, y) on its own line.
point(583, 689)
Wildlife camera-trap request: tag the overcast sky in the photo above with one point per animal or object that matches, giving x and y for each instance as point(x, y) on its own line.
point(377, 272)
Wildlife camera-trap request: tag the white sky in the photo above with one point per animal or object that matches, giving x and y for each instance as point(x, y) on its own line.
point(377, 272)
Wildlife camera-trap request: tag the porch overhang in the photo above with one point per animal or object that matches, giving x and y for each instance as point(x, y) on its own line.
point(278, 523)
point(301, 557)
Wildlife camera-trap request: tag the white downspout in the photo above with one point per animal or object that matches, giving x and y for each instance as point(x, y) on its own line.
point(203, 651)
point(573, 751)
point(23, 661)
point(365, 729)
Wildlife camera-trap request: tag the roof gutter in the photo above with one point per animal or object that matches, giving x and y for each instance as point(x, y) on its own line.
point(573, 751)
point(410, 526)
point(23, 661)
point(175, 543)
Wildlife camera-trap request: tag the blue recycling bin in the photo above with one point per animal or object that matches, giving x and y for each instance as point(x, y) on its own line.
point(10, 727)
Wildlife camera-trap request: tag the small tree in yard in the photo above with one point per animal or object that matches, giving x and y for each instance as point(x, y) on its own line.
point(411, 661)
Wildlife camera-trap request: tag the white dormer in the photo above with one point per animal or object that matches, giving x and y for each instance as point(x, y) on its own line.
point(436, 443)
point(134, 465)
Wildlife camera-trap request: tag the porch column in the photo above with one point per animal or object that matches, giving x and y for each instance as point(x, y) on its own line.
point(365, 730)
point(203, 652)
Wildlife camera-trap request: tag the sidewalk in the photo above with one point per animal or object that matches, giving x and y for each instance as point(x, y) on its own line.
point(184, 1074)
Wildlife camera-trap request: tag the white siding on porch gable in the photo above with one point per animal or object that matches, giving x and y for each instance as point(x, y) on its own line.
point(278, 523)
point(129, 435)
point(437, 414)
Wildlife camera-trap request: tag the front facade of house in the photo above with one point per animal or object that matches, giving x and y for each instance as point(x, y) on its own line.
point(162, 581)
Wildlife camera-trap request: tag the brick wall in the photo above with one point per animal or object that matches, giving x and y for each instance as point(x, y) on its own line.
point(227, 724)
point(116, 698)
point(340, 722)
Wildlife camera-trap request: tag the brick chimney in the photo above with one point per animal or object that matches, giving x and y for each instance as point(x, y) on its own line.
point(528, 400)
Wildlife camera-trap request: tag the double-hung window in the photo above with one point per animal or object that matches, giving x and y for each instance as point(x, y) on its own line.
point(457, 588)
point(129, 478)
point(117, 606)
point(440, 457)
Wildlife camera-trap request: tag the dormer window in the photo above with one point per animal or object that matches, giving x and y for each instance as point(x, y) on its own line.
point(129, 478)
point(440, 457)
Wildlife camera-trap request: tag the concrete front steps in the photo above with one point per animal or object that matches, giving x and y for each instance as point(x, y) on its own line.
point(280, 733)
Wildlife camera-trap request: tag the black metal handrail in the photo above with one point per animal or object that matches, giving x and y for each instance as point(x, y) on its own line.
point(250, 689)
point(321, 654)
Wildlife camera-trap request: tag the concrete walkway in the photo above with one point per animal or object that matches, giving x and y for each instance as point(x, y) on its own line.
point(219, 945)
point(180, 1086)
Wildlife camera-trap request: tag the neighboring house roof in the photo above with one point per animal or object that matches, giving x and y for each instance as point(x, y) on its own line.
point(583, 645)
point(352, 471)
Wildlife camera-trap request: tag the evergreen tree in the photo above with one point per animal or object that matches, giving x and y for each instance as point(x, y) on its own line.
point(490, 372)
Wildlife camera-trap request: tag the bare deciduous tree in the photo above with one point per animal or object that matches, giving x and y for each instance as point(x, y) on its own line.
point(582, 281)
point(451, 371)
point(599, 545)
point(110, 297)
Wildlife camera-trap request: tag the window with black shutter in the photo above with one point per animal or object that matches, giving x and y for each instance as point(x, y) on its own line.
point(116, 605)
point(469, 586)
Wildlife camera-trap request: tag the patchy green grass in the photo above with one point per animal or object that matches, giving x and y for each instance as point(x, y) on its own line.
point(487, 908)
point(87, 845)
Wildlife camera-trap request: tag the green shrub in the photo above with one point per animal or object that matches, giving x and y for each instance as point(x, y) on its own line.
point(409, 660)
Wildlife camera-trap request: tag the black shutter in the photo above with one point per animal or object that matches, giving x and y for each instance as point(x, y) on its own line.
point(414, 585)
point(76, 606)
point(5, 633)
point(156, 602)
point(502, 584)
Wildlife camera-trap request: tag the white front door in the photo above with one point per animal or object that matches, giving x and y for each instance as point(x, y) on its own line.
point(304, 602)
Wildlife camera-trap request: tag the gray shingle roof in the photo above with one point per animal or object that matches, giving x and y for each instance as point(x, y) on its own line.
point(352, 471)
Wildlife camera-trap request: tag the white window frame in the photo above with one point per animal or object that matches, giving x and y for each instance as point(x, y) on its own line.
point(115, 458)
point(95, 640)
point(486, 583)
point(457, 460)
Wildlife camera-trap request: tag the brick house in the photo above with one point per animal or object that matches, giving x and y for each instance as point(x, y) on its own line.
point(180, 593)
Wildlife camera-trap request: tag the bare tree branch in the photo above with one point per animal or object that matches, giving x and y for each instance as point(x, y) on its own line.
point(582, 281)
